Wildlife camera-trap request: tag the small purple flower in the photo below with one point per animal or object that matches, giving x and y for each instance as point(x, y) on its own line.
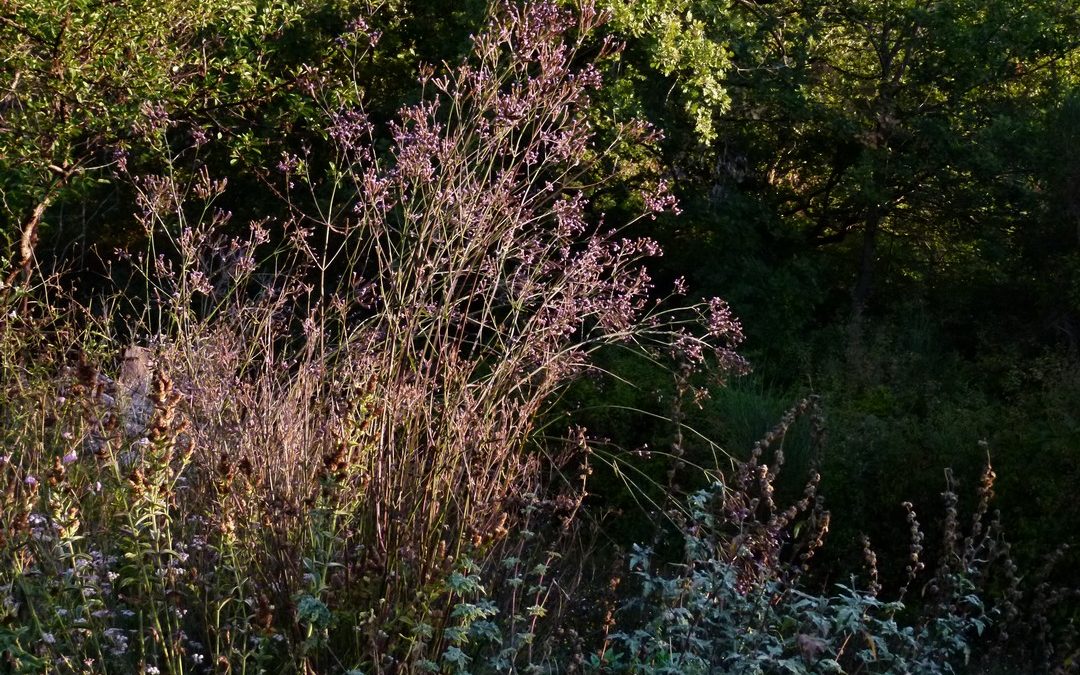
point(661, 200)
point(349, 129)
point(722, 323)
point(360, 28)
point(70, 457)
point(31, 481)
point(199, 136)
point(155, 117)
point(120, 157)
point(289, 163)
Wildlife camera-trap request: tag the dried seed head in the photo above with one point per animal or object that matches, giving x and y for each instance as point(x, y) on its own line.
point(870, 557)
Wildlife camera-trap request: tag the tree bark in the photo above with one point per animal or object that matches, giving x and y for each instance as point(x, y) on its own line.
point(32, 222)
point(867, 262)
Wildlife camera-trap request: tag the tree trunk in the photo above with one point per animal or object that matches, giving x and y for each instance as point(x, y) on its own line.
point(31, 223)
point(867, 262)
point(27, 242)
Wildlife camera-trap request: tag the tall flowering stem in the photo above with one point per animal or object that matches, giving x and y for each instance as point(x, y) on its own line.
point(481, 285)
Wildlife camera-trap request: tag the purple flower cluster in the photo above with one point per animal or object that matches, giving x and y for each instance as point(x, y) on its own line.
point(660, 199)
point(478, 210)
point(348, 129)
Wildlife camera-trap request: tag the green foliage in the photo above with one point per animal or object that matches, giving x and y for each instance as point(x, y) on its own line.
point(709, 614)
point(683, 41)
point(88, 87)
point(888, 202)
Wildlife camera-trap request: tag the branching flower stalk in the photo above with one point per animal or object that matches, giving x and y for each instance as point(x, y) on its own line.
point(480, 287)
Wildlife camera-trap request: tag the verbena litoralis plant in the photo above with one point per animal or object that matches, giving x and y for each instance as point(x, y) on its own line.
point(467, 288)
point(346, 421)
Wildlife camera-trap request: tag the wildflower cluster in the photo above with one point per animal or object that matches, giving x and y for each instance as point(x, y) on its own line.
point(310, 468)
